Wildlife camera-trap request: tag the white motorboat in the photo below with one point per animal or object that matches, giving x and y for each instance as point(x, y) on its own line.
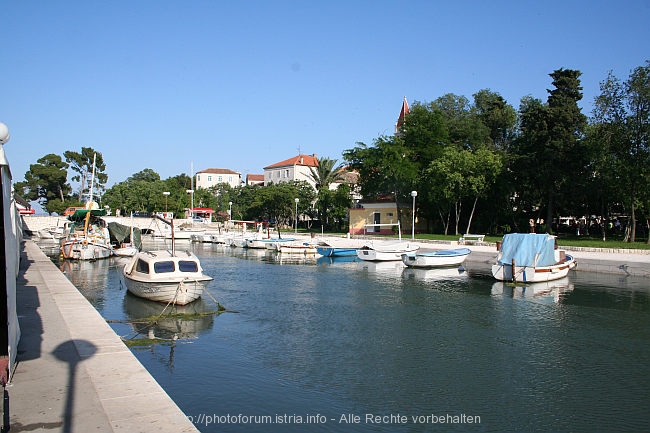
point(436, 259)
point(386, 251)
point(296, 248)
point(166, 275)
point(531, 258)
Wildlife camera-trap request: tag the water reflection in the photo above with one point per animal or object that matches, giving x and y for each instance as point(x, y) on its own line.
point(343, 336)
point(156, 320)
point(437, 274)
point(555, 291)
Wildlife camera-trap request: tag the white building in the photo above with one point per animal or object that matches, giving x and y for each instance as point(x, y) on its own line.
point(296, 168)
point(212, 176)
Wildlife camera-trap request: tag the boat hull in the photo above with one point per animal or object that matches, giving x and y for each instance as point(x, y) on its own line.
point(177, 292)
point(336, 252)
point(297, 249)
point(529, 274)
point(436, 259)
point(385, 253)
point(80, 249)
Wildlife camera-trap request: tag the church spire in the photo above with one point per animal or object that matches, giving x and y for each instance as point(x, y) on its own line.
point(402, 114)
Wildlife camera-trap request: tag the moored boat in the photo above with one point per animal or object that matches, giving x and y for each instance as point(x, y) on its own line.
point(328, 251)
point(386, 251)
point(530, 258)
point(89, 238)
point(334, 247)
point(435, 259)
point(166, 275)
point(304, 249)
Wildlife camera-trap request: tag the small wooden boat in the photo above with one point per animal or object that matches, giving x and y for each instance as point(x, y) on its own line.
point(435, 259)
point(531, 258)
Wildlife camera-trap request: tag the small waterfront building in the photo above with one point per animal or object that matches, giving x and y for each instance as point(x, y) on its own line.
point(381, 217)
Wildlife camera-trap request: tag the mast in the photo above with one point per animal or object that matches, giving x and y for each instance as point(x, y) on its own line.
point(192, 192)
point(89, 205)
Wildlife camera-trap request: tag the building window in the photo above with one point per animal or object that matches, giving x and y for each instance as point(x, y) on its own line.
point(219, 179)
point(198, 177)
point(389, 214)
point(209, 178)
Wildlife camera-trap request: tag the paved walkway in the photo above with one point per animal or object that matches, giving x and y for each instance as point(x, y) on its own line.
point(73, 373)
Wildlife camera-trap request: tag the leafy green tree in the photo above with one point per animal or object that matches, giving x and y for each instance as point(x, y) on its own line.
point(552, 155)
point(566, 156)
point(386, 169)
point(276, 202)
point(340, 203)
point(141, 192)
point(46, 182)
point(462, 174)
point(622, 125)
point(465, 129)
point(82, 164)
point(498, 116)
point(424, 134)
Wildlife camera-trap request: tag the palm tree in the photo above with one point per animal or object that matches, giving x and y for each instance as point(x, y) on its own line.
point(323, 175)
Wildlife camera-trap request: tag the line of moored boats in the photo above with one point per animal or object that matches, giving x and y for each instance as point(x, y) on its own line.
point(171, 276)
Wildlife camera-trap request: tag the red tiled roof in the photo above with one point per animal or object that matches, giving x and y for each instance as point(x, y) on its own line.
point(307, 160)
point(217, 171)
point(255, 177)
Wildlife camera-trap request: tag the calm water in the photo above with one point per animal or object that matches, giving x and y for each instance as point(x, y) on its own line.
point(324, 342)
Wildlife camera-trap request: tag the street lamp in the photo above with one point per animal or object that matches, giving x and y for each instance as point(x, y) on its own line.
point(191, 193)
point(4, 133)
point(296, 214)
point(229, 210)
point(166, 194)
point(413, 194)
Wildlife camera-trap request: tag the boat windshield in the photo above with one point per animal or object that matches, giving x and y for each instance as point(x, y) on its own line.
point(163, 267)
point(142, 266)
point(187, 266)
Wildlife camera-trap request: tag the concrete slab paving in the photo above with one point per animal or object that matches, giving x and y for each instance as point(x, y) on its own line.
point(73, 373)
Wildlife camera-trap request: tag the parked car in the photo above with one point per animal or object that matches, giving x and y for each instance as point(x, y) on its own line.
point(72, 209)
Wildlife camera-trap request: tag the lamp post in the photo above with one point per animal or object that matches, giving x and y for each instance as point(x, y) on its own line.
point(229, 210)
point(4, 133)
point(296, 214)
point(166, 194)
point(413, 194)
point(191, 193)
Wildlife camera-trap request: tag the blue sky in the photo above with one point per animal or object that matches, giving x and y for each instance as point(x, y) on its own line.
point(162, 84)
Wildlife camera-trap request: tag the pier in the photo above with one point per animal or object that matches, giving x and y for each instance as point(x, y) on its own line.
point(73, 373)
